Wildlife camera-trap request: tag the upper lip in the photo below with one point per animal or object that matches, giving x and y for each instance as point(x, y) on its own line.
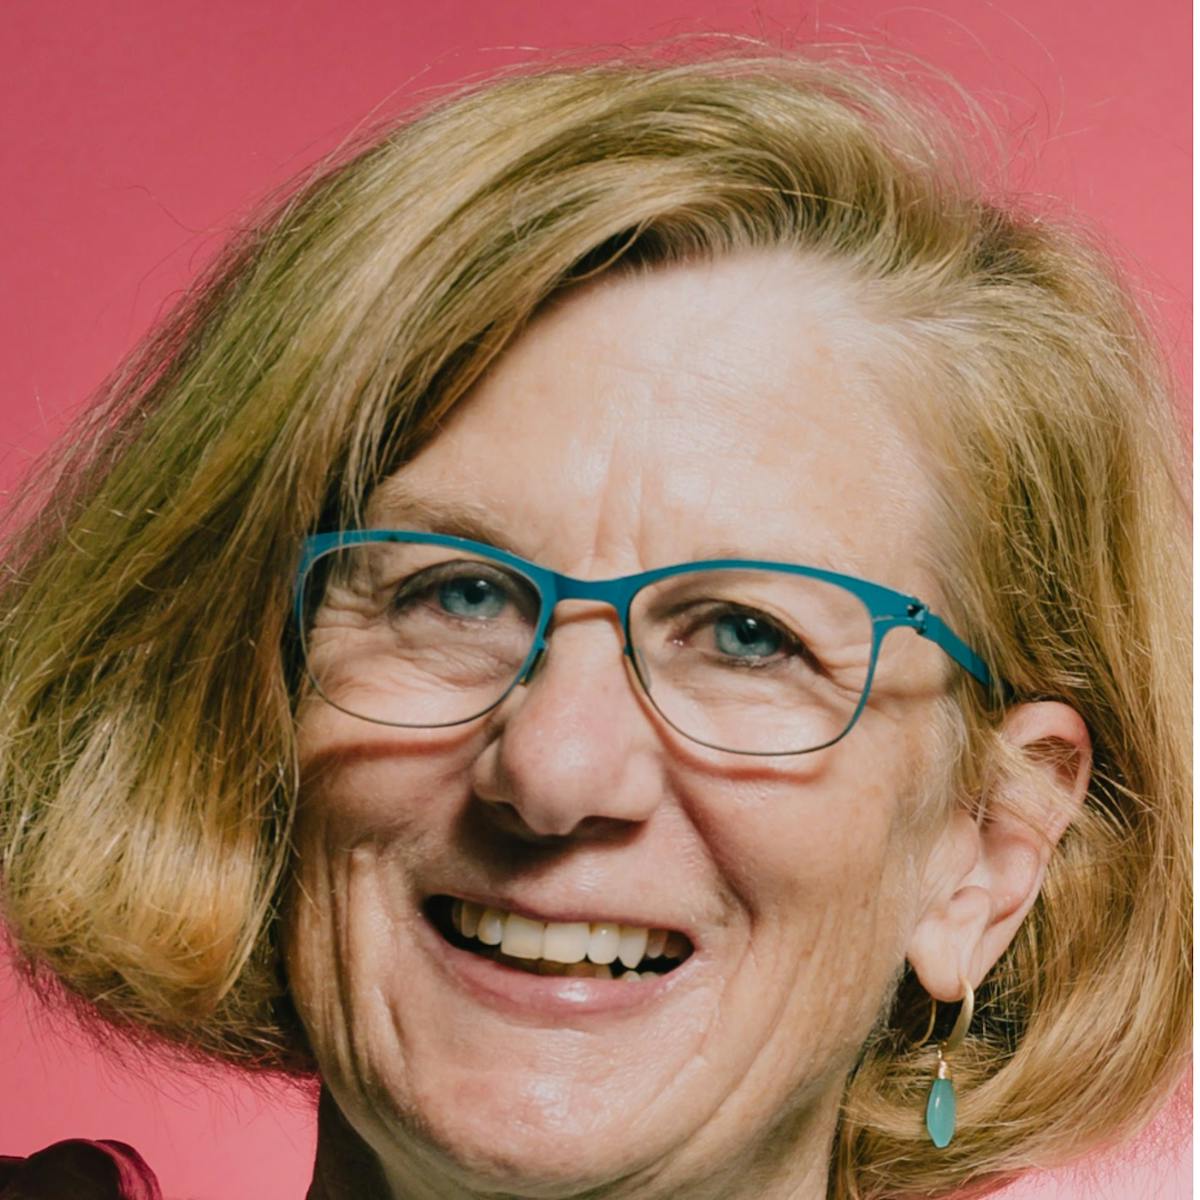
point(566, 914)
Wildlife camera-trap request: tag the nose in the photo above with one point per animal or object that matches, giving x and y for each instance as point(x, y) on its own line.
point(577, 752)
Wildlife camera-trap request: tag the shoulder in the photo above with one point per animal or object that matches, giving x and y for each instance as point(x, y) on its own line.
point(79, 1170)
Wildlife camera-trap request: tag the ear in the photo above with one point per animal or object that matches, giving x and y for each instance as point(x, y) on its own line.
point(982, 874)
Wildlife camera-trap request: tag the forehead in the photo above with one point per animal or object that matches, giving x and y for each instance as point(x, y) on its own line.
point(733, 408)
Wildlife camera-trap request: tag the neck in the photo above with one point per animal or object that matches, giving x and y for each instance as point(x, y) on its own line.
point(347, 1168)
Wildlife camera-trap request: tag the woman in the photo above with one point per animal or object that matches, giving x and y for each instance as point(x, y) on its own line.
point(740, 604)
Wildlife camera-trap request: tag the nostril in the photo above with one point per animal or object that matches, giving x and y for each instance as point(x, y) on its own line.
point(505, 818)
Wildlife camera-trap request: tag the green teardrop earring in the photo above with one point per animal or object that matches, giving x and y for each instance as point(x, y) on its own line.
point(940, 1107)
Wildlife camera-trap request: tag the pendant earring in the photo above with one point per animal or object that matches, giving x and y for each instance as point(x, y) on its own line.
point(940, 1107)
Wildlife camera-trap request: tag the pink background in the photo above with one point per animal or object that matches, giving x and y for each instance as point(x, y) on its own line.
point(135, 133)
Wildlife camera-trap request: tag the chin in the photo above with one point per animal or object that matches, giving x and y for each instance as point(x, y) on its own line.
point(541, 1139)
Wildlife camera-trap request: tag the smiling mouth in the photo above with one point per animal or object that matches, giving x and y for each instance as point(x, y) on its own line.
point(587, 950)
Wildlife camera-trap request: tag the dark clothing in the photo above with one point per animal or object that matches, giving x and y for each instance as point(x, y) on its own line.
point(79, 1170)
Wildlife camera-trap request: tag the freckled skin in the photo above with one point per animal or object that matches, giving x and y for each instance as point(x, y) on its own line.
point(637, 421)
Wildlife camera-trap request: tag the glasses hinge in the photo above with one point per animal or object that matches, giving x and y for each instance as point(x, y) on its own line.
point(917, 612)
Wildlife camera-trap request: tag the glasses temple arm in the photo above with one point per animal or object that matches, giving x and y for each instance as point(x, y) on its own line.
point(931, 626)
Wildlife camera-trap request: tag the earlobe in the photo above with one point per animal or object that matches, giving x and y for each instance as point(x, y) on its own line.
point(983, 875)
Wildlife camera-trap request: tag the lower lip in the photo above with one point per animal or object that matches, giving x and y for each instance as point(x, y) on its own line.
point(522, 994)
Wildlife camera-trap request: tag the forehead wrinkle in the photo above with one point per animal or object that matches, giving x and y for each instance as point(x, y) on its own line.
point(660, 498)
point(624, 506)
point(630, 504)
point(632, 510)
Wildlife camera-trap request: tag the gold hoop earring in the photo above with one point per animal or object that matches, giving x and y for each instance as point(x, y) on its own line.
point(941, 1105)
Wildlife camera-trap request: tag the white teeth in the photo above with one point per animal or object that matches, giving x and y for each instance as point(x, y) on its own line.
point(522, 937)
point(566, 942)
point(604, 942)
point(491, 927)
point(632, 945)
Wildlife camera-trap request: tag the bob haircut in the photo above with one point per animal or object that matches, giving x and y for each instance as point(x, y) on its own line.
point(147, 761)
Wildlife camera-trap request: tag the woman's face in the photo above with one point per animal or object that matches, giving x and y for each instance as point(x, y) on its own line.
point(697, 411)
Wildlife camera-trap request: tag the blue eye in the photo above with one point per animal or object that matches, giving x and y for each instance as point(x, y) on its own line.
point(742, 635)
point(472, 597)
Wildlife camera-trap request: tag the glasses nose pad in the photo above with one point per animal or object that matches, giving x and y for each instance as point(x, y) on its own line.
point(641, 668)
point(534, 663)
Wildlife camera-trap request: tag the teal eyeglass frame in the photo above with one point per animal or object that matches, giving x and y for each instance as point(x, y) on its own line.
point(889, 609)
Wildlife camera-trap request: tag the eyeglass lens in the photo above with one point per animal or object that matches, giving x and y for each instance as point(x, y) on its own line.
point(752, 660)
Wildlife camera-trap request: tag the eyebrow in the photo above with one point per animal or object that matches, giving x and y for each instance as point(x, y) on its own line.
point(832, 557)
point(463, 516)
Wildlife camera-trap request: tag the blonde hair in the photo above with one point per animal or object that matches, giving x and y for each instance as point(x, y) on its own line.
point(147, 765)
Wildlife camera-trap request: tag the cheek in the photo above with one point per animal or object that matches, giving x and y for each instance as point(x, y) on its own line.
point(838, 829)
point(374, 804)
point(822, 860)
point(363, 783)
